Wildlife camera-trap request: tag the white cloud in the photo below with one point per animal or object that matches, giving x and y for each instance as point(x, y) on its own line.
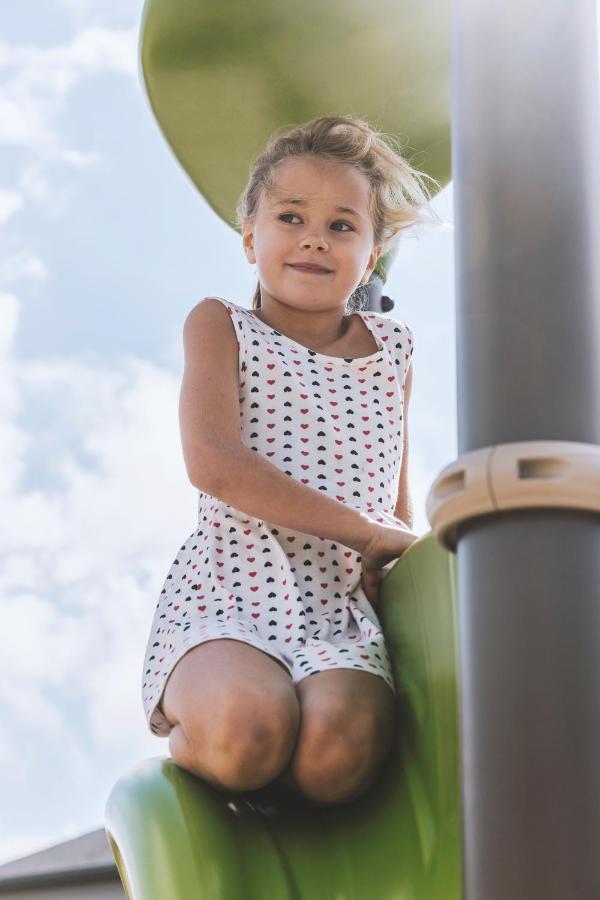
point(35, 185)
point(10, 203)
point(37, 80)
point(79, 159)
point(9, 318)
point(20, 266)
point(108, 12)
point(34, 85)
point(82, 562)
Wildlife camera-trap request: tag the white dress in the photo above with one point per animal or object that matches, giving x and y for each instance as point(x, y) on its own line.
point(336, 425)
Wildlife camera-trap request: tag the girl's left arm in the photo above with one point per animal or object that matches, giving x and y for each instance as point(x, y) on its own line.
point(371, 579)
point(404, 510)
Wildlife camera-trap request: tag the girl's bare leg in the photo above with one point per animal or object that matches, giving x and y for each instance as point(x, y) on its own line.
point(235, 714)
point(348, 723)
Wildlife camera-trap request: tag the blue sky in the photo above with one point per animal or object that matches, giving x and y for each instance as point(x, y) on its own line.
point(105, 246)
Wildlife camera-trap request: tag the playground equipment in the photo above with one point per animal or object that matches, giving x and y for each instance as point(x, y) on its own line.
point(174, 837)
point(493, 791)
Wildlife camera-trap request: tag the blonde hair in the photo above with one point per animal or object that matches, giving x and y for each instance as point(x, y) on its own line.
point(398, 198)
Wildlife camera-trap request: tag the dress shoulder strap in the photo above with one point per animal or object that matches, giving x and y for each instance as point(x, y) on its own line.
point(397, 337)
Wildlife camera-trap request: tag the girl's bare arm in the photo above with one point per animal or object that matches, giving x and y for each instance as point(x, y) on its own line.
point(404, 508)
point(247, 481)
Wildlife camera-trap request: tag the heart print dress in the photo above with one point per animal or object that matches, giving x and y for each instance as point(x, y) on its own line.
point(336, 425)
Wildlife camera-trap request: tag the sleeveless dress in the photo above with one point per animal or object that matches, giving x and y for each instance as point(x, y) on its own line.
point(336, 425)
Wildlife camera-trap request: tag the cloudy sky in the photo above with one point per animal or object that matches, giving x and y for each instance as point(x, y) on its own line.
point(104, 248)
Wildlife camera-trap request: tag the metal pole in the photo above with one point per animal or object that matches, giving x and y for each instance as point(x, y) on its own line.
point(526, 169)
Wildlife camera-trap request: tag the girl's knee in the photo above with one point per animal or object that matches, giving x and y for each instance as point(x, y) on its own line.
point(258, 738)
point(245, 747)
point(341, 777)
point(337, 760)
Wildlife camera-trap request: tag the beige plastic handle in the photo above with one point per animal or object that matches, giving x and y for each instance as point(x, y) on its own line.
point(513, 476)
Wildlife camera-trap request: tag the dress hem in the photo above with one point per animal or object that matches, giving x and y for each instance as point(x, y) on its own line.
point(157, 718)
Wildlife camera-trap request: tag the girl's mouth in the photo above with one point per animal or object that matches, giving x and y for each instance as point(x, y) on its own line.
point(311, 271)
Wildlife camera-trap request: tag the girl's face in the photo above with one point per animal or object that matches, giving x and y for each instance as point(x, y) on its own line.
point(299, 222)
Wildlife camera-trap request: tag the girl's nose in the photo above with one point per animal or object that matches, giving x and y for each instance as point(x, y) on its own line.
point(314, 241)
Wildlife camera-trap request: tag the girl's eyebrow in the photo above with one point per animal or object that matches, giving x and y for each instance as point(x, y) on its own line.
point(287, 200)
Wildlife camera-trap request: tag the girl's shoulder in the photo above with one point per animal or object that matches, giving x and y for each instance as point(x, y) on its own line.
point(238, 316)
point(396, 333)
point(227, 303)
point(236, 312)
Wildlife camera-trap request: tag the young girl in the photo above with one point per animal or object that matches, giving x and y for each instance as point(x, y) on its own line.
point(266, 659)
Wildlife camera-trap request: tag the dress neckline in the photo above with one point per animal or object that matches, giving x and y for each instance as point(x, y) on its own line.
point(377, 356)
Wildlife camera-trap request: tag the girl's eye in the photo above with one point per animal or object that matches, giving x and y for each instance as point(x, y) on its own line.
point(294, 216)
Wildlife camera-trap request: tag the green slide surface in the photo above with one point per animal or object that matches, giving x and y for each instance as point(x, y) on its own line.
point(175, 837)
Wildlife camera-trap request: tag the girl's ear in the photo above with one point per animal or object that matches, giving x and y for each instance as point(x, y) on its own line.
point(248, 242)
point(375, 253)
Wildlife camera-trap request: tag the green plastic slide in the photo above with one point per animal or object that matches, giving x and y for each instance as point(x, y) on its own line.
point(175, 837)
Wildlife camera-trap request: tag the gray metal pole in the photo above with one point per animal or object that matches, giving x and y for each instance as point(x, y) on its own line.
point(526, 169)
